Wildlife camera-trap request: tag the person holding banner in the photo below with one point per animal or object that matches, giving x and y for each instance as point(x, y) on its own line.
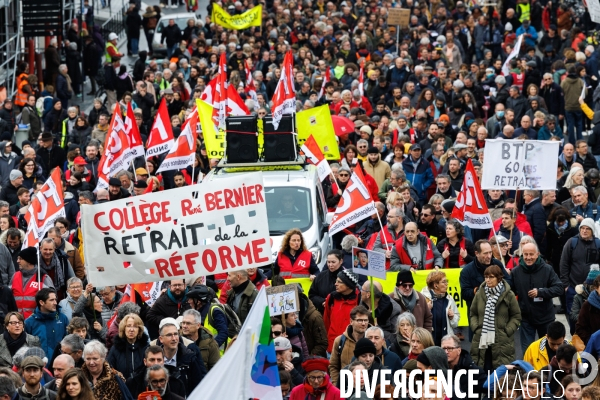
point(293, 259)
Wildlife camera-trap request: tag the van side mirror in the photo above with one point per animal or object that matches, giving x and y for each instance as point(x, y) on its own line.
point(329, 218)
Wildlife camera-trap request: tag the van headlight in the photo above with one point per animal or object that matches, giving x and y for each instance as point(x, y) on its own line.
point(316, 254)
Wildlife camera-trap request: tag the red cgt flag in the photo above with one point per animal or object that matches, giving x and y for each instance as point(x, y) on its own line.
point(160, 139)
point(470, 207)
point(183, 152)
point(136, 146)
point(284, 98)
point(315, 156)
point(355, 205)
point(46, 206)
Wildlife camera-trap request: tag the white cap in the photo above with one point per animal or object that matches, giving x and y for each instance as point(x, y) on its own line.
point(508, 27)
point(112, 36)
point(170, 321)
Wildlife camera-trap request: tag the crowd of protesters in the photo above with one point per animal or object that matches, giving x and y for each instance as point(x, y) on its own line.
point(423, 99)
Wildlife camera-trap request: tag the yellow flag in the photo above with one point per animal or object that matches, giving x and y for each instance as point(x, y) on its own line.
point(213, 140)
point(252, 17)
point(317, 122)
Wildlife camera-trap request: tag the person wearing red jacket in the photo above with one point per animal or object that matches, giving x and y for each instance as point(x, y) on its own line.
point(338, 305)
point(346, 101)
point(521, 223)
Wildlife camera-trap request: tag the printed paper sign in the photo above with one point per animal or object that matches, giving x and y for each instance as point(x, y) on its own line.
point(367, 262)
point(216, 227)
point(520, 164)
point(283, 299)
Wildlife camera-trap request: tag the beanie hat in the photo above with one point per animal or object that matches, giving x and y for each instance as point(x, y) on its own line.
point(589, 223)
point(373, 150)
point(349, 278)
point(364, 346)
point(448, 205)
point(316, 364)
point(404, 277)
point(345, 169)
point(594, 272)
point(29, 254)
point(15, 174)
point(422, 358)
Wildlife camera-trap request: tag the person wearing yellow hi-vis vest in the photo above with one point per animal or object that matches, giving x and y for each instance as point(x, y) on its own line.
point(111, 47)
point(67, 126)
point(523, 10)
point(200, 298)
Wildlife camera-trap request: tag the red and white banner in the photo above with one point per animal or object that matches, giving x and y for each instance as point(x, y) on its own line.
point(249, 88)
point(136, 146)
point(354, 206)
point(220, 97)
point(326, 79)
point(209, 91)
point(183, 152)
point(284, 98)
point(471, 208)
point(361, 79)
point(160, 139)
point(315, 156)
point(197, 230)
point(514, 53)
point(45, 208)
point(235, 104)
point(116, 146)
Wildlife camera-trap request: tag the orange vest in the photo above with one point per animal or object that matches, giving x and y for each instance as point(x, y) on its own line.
point(300, 269)
point(21, 96)
point(388, 238)
point(427, 263)
point(25, 298)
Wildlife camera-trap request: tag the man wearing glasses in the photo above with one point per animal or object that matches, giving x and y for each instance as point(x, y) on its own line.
point(318, 382)
point(172, 304)
point(391, 232)
point(460, 360)
point(158, 378)
point(411, 300)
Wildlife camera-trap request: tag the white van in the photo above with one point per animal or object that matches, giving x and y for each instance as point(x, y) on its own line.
point(300, 183)
point(181, 20)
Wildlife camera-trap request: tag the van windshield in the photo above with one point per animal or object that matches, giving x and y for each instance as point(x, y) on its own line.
point(180, 22)
point(287, 208)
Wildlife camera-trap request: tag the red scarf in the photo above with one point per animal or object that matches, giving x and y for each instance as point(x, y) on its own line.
point(412, 356)
point(316, 392)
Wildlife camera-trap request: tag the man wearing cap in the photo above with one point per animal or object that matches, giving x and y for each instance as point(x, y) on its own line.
point(50, 155)
point(139, 187)
point(317, 384)
point(111, 47)
point(418, 171)
point(141, 174)
point(79, 165)
point(288, 359)
point(237, 59)
point(411, 300)
point(9, 192)
point(378, 169)
point(500, 249)
point(33, 370)
point(115, 190)
point(24, 283)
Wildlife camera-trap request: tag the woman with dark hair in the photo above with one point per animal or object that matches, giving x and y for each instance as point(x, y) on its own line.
point(455, 248)
point(77, 184)
point(495, 317)
point(350, 153)
point(31, 173)
point(81, 133)
point(14, 337)
point(6, 222)
point(75, 386)
point(293, 259)
point(425, 99)
point(324, 283)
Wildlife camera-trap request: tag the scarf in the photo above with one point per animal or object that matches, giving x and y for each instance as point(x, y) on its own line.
point(488, 333)
point(14, 345)
point(561, 228)
point(315, 393)
point(90, 314)
point(408, 303)
point(59, 273)
point(594, 299)
point(529, 269)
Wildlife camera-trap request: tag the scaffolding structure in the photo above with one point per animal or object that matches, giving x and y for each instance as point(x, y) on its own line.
point(11, 43)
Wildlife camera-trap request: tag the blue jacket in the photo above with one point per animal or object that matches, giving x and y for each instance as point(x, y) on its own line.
point(587, 212)
point(545, 134)
point(471, 277)
point(50, 328)
point(593, 345)
point(419, 174)
point(529, 41)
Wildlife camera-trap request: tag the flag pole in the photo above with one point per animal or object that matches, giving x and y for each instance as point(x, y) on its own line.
point(372, 300)
point(381, 225)
point(39, 267)
point(497, 244)
point(133, 169)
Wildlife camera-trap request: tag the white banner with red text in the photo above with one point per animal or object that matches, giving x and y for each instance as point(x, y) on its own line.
point(209, 228)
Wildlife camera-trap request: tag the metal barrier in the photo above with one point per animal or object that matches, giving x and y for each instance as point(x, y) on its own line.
point(115, 24)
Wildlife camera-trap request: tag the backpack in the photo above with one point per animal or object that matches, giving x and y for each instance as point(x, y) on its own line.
point(40, 104)
point(575, 240)
point(233, 321)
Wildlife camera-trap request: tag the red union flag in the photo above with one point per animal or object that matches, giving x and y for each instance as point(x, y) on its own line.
point(470, 207)
point(116, 147)
point(183, 152)
point(235, 104)
point(284, 98)
point(209, 91)
point(354, 206)
point(315, 156)
point(361, 78)
point(160, 139)
point(136, 146)
point(250, 89)
point(46, 206)
point(326, 78)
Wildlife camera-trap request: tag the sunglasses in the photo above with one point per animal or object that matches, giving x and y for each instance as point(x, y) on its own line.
point(276, 333)
point(406, 285)
point(343, 175)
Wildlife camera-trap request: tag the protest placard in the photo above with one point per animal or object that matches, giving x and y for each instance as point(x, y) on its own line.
point(283, 299)
point(367, 262)
point(215, 227)
point(520, 164)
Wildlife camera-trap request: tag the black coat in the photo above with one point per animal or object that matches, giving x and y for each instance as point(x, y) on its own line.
point(145, 103)
point(171, 34)
point(190, 367)
point(542, 277)
point(91, 55)
point(163, 307)
point(74, 71)
point(52, 158)
point(137, 384)
point(133, 24)
point(128, 358)
point(536, 216)
point(9, 194)
point(320, 288)
point(471, 277)
point(555, 99)
point(466, 363)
